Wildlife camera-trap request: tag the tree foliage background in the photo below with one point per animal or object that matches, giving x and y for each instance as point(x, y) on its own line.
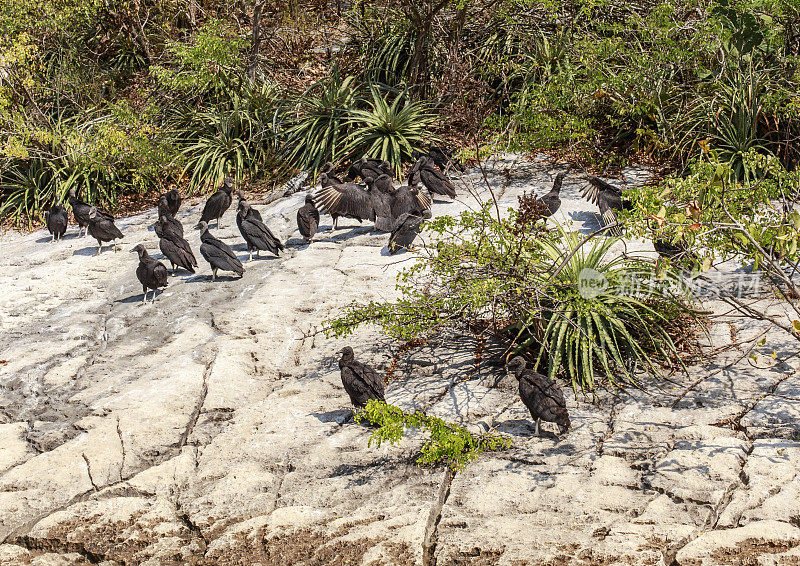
point(121, 98)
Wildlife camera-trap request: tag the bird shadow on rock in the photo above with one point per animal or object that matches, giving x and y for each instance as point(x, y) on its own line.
point(352, 233)
point(591, 221)
point(90, 251)
point(386, 253)
point(298, 243)
point(137, 298)
point(47, 239)
point(524, 428)
point(339, 416)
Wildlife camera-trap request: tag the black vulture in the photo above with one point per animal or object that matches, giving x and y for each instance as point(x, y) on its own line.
point(361, 382)
point(80, 210)
point(405, 229)
point(382, 183)
point(308, 219)
point(381, 204)
point(151, 274)
point(174, 247)
point(166, 216)
point(330, 178)
point(441, 156)
point(102, 229)
point(173, 198)
point(218, 203)
point(677, 251)
point(369, 167)
point(551, 199)
point(218, 254)
point(348, 200)
point(410, 200)
point(543, 398)
point(57, 221)
point(434, 180)
point(608, 199)
point(257, 235)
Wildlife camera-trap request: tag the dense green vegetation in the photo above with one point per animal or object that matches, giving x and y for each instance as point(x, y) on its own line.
point(119, 98)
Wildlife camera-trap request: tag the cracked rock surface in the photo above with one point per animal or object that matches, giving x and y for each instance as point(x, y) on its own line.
point(212, 426)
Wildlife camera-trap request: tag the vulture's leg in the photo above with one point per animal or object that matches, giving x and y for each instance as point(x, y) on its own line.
point(99, 247)
point(154, 295)
point(536, 430)
point(52, 237)
point(214, 274)
point(251, 255)
point(144, 295)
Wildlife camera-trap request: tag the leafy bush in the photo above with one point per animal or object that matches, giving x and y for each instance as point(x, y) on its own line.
point(390, 131)
point(501, 277)
point(449, 443)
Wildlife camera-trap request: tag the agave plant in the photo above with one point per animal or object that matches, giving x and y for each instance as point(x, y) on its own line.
point(27, 188)
point(390, 131)
point(320, 131)
point(605, 313)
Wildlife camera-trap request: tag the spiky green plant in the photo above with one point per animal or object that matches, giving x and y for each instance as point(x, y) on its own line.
point(390, 131)
point(27, 188)
point(604, 313)
point(320, 127)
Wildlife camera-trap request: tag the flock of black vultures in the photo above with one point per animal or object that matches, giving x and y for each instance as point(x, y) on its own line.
point(398, 210)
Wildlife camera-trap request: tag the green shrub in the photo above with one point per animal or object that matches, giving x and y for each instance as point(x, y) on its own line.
point(390, 131)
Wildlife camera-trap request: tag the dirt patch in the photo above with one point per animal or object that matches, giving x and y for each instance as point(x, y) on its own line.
point(748, 551)
point(473, 557)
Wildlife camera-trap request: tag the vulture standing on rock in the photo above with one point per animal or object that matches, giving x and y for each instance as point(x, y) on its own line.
point(330, 178)
point(434, 180)
point(165, 216)
point(543, 398)
point(410, 200)
point(257, 235)
point(80, 210)
point(102, 229)
point(442, 158)
point(308, 219)
point(218, 203)
point(348, 200)
point(369, 167)
point(174, 247)
point(173, 201)
point(361, 382)
point(218, 254)
point(57, 221)
point(608, 199)
point(151, 274)
point(551, 199)
point(406, 228)
point(381, 202)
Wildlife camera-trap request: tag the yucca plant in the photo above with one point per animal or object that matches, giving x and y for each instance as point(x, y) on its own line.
point(28, 188)
point(321, 126)
point(390, 131)
point(604, 313)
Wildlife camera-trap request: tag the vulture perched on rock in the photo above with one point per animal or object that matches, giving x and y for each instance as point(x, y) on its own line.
point(442, 158)
point(381, 203)
point(174, 247)
point(551, 199)
point(173, 201)
point(410, 200)
point(543, 398)
point(608, 199)
point(102, 229)
point(165, 215)
point(434, 180)
point(308, 219)
point(369, 167)
point(348, 200)
point(257, 235)
point(330, 178)
point(80, 210)
point(57, 221)
point(151, 274)
point(218, 203)
point(361, 382)
point(218, 254)
point(406, 228)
